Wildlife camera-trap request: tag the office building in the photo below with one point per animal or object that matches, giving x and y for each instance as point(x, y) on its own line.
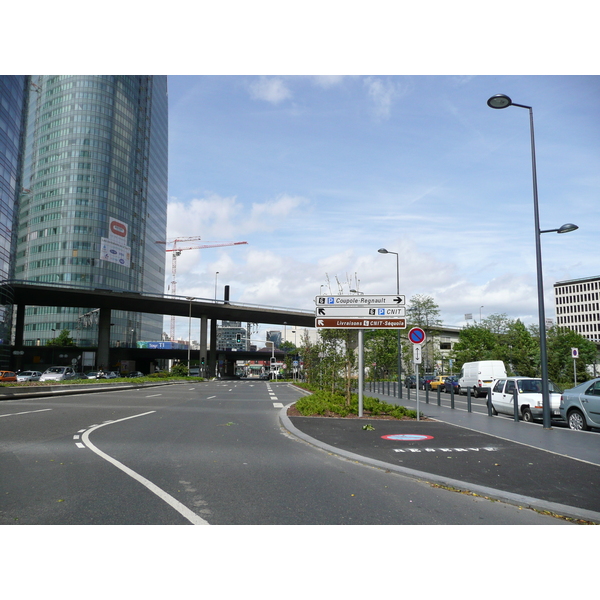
point(232, 336)
point(577, 304)
point(12, 113)
point(94, 199)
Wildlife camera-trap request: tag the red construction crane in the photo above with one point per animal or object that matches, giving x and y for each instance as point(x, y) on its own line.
point(177, 251)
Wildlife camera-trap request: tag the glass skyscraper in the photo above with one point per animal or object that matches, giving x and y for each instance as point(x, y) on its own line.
point(94, 199)
point(12, 112)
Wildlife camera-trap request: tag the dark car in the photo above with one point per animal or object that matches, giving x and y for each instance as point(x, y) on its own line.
point(409, 382)
point(451, 383)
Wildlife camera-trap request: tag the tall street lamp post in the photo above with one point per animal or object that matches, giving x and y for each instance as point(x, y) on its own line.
point(384, 251)
point(503, 101)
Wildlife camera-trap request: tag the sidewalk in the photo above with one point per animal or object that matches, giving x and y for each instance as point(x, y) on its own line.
point(556, 470)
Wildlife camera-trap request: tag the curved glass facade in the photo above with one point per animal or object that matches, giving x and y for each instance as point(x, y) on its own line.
point(12, 111)
point(96, 152)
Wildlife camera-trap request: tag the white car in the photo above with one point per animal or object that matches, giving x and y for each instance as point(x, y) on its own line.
point(529, 397)
point(28, 376)
point(58, 374)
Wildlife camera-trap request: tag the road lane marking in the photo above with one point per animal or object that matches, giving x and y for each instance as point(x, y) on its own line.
point(277, 404)
point(183, 510)
point(26, 412)
point(153, 395)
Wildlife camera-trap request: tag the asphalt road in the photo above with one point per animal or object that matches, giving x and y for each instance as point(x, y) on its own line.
point(208, 453)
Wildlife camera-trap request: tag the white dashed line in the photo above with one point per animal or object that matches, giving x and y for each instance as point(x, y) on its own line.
point(26, 413)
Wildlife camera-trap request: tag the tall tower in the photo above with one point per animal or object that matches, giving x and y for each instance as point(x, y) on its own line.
point(95, 198)
point(12, 114)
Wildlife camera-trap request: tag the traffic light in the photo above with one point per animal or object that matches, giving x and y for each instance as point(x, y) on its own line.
point(202, 360)
point(239, 338)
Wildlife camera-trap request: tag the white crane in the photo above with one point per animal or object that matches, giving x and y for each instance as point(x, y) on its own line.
point(177, 251)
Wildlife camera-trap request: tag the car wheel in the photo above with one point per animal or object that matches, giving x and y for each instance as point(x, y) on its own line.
point(527, 416)
point(576, 421)
point(475, 393)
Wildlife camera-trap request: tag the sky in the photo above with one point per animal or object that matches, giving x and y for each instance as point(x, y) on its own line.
point(321, 132)
point(317, 173)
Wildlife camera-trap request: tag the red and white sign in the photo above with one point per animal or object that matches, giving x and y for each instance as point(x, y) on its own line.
point(117, 231)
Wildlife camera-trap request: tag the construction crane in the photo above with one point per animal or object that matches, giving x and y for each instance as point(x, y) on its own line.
point(177, 252)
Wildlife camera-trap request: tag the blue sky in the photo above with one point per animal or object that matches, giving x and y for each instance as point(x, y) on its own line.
point(317, 173)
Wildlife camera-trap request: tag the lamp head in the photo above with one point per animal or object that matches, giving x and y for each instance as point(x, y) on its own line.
point(382, 251)
point(499, 101)
point(567, 227)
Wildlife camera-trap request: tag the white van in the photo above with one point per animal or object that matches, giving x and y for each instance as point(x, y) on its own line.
point(480, 374)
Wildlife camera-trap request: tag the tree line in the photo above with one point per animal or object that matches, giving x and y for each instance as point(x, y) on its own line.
point(332, 363)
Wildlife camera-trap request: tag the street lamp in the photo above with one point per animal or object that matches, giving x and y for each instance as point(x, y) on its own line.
point(503, 101)
point(384, 251)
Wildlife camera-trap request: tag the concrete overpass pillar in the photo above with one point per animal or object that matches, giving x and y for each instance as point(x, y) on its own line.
point(19, 325)
point(212, 355)
point(103, 339)
point(203, 343)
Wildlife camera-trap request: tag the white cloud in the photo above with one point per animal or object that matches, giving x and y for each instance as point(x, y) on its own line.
point(382, 93)
point(270, 89)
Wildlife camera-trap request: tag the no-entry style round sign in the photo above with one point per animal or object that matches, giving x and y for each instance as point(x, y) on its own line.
point(407, 437)
point(416, 335)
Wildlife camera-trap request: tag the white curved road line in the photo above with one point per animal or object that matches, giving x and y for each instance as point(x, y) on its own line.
point(183, 510)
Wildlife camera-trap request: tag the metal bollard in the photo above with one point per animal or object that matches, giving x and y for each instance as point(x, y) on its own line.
point(452, 398)
point(468, 399)
point(515, 404)
point(489, 402)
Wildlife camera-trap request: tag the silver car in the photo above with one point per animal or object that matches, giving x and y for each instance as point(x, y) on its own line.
point(580, 406)
point(28, 376)
point(58, 374)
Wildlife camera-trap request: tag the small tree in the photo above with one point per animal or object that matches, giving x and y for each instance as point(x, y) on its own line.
point(62, 339)
point(180, 370)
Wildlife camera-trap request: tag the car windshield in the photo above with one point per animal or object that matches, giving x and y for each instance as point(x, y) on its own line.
point(55, 370)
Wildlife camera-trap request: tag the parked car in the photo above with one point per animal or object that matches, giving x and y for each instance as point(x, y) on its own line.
point(427, 377)
point(479, 375)
point(410, 382)
point(8, 376)
point(451, 383)
point(28, 376)
point(58, 374)
point(580, 406)
point(95, 375)
point(136, 374)
point(529, 397)
point(111, 375)
point(436, 382)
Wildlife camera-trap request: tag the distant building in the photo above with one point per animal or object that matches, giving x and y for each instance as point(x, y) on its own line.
point(577, 306)
point(275, 337)
point(231, 336)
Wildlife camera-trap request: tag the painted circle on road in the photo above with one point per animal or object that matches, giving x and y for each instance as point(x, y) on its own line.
point(407, 437)
point(416, 335)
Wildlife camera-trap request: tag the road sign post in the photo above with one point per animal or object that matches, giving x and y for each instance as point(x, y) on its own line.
point(417, 336)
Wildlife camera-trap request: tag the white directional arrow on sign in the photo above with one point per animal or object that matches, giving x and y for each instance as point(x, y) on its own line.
point(360, 300)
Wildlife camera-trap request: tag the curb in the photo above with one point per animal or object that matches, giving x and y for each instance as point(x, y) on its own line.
point(61, 390)
point(508, 497)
